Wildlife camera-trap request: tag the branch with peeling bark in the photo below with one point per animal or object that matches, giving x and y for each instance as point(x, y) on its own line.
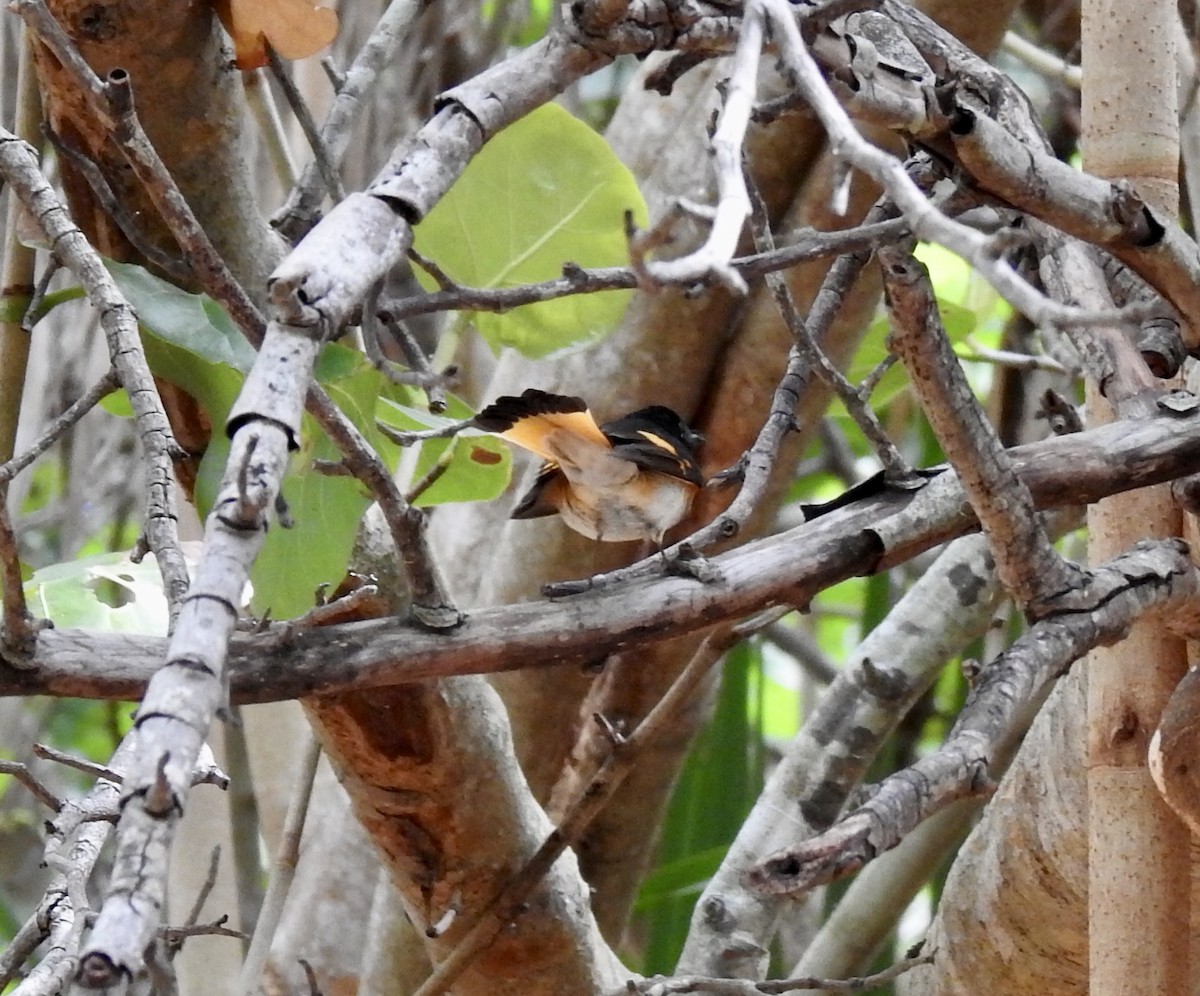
point(1155, 577)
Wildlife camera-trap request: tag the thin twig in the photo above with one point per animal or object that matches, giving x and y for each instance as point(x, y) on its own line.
point(329, 174)
point(59, 425)
point(429, 378)
point(1041, 61)
point(1023, 362)
point(806, 245)
point(310, 974)
point(283, 871)
point(403, 437)
point(733, 202)
point(112, 206)
point(175, 936)
point(774, 987)
point(420, 372)
point(431, 476)
point(270, 126)
point(27, 778)
point(174, 939)
point(90, 768)
point(19, 164)
point(432, 604)
point(298, 215)
point(895, 466)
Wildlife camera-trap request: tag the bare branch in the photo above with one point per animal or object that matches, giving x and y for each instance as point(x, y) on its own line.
point(1030, 567)
point(174, 941)
point(1152, 577)
point(865, 536)
point(579, 815)
point(298, 215)
point(733, 201)
point(26, 777)
point(59, 425)
point(78, 763)
point(928, 223)
point(19, 166)
point(895, 466)
point(431, 603)
point(283, 872)
point(775, 987)
point(324, 163)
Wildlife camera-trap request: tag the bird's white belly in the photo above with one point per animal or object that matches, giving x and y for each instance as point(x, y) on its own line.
point(604, 518)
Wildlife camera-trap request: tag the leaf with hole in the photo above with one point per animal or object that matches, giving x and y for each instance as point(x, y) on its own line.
point(106, 592)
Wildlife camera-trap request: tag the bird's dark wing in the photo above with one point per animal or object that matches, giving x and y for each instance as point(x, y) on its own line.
point(542, 498)
point(657, 439)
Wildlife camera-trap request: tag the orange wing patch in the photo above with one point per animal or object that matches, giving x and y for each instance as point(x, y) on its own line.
point(295, 29)
point(532, 431)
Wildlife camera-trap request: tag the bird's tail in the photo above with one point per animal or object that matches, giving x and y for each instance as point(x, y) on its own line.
point(529, 420)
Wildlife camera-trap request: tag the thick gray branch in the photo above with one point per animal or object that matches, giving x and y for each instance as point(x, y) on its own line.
point(1153, 576)
point(790, 568)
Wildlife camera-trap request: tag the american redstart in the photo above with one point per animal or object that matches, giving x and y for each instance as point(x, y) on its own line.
point(629, 479)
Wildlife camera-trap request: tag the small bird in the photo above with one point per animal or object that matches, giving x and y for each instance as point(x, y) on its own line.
point(629, 479)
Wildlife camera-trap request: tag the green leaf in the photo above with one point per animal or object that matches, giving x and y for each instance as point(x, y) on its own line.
point(326, 510)
point(14, 306)
point(106, 592)
point(191, 343)
point(545, 191)
point(117, 403)
point(478, 465)
point(193, 322)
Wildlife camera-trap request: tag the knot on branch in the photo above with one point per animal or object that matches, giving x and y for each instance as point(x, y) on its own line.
point(96, 971)
point(639, 27)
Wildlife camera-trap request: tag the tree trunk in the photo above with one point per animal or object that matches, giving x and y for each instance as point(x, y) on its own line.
point(1139, 862)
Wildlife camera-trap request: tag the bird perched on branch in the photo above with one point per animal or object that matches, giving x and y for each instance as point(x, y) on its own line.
point(629, 479)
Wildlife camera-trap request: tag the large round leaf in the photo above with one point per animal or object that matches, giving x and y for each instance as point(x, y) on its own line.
point(545, 191)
